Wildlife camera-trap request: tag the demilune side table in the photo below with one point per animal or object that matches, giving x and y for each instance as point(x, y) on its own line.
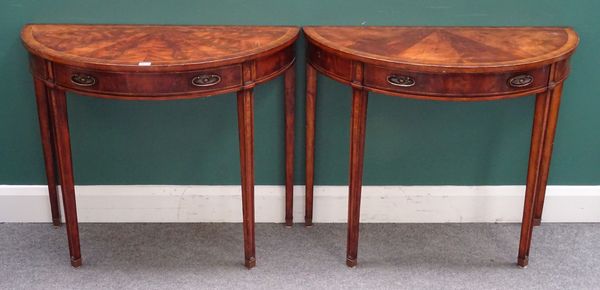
point(152, 62)
point(447, 64)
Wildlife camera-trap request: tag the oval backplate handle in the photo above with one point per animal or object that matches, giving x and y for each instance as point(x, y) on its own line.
point(520, 81)
point(206, 80)
point(83, 80)
point(401, 81)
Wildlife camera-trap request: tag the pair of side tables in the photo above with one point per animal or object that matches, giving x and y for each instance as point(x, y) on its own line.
point(151, 62)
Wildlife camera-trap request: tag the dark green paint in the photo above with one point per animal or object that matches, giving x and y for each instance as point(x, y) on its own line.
point(408, 141)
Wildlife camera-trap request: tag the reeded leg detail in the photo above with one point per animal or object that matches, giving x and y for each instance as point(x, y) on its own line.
point(358, 122)
point(245, 105)
point(290, 110)
point(48, 147)
point(58, 104)
point(311, 93)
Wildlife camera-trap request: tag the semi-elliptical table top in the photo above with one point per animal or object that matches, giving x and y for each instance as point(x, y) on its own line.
point(448, 49)
point(155, 47)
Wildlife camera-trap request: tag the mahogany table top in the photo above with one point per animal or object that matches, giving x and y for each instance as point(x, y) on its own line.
point(447, 48)
point(165, 47)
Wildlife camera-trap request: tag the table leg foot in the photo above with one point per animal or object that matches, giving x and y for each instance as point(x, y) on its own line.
point(250, 263)
point(56, 222)
point(289, 224)
point(308, 223)
point(351, 262)
point(537, 222)
point(523, 262)
point(76, 263)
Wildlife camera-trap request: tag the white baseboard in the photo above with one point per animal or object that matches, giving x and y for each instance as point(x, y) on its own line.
point(380, 204)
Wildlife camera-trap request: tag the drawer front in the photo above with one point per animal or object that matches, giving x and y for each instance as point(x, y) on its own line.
point(334, 65)
point(271, 65)
point(149, 84)
point(455, 84)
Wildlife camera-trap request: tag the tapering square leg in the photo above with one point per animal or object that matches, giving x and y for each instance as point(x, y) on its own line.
point(290, 110)
point(311, 93)
point(58, 103)
point(535, 153)
point(358, 122)
point(548, 142)
point(245, 105)
point(48, 147)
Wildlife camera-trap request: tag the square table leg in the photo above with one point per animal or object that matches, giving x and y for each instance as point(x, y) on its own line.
point(542, 138)
point(58, 103)
point(311, 93)
point(48, 147)
point(550, 131)
point(358, 123)
point(245, 106)
point(289, 109)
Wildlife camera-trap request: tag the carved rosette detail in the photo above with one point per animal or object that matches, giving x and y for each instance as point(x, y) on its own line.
point(401, 81)
point(520, 81)
point(83, 80)
point(206, 80)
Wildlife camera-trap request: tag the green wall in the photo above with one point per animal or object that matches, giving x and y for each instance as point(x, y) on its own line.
point(408, 141)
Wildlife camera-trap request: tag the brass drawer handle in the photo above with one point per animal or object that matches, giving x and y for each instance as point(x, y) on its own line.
point(206, 80)
point(520, 81)
point(83, 80)
point(401, 81)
